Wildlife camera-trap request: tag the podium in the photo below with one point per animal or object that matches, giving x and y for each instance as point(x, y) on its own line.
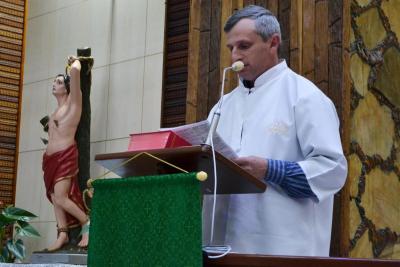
point(156, 205)
point(232, 179)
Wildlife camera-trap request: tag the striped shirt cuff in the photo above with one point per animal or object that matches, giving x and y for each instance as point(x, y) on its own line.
point(290, 177)
point(276, 171)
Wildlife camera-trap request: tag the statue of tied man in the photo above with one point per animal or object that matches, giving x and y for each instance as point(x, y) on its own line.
point(60, 160)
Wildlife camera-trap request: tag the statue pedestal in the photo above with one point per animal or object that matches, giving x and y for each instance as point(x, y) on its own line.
point(69, 254)
point(62, 256)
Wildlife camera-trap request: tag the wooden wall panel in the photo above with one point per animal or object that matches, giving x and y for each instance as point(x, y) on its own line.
point(295, 36)
point(321, 45)
point(12, 31)
point(339, 92)
point(199, 40)
point(175, 67)
point(227, 9)
point(284, 8)
point(308, 35)
point(214, 81)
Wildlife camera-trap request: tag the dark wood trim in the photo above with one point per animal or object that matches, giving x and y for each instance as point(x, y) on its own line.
point(240, 260)
point(339, 92)
point(344, 242)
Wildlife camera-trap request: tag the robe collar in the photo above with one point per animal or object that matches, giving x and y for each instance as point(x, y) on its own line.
point(265, 77)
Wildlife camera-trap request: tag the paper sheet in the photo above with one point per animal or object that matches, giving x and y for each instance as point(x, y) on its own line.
point(196, 134)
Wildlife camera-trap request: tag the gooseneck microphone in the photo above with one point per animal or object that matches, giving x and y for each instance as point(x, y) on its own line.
point(237, 66)
point(223, 250)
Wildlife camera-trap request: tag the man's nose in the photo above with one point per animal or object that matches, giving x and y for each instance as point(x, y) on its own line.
point(235, 55)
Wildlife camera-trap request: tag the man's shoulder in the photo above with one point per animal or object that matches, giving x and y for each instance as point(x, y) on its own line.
point(304, 86)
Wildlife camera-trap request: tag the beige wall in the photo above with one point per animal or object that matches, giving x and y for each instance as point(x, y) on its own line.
point(126, 38)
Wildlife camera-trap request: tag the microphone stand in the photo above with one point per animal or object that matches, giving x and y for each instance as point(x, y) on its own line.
point(217, 112)
point(237, 66)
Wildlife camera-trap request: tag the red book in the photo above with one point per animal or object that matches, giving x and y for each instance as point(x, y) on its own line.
point(156, 140)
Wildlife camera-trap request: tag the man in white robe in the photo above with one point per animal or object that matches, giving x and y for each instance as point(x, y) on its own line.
point(286, 132)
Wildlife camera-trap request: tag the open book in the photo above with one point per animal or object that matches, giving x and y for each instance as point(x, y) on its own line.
point(196, 134)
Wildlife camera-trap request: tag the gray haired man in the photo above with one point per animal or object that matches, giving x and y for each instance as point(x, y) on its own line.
point(286, 132)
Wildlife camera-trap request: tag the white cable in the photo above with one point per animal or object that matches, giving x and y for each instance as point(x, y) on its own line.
point(218, 249)
point(215, 189)
point(215, 249)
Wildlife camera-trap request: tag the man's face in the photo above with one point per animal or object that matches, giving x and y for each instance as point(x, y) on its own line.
point(59, 86)
point(246, 45)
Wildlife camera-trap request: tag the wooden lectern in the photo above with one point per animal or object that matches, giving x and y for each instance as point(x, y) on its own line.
point(231, 178)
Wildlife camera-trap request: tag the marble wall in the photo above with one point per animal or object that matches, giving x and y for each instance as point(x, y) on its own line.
point(374, 162)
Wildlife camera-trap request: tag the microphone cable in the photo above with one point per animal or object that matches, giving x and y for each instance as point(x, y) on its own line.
point(225, 249)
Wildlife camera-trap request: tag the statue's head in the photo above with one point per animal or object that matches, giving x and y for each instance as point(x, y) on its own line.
point(61, 84)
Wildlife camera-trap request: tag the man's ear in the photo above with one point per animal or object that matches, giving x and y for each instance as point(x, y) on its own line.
point(275, 41)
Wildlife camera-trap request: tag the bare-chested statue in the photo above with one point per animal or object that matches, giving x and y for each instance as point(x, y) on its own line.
point(60, 161)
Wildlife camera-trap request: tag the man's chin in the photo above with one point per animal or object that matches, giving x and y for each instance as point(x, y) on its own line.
point(246, 76)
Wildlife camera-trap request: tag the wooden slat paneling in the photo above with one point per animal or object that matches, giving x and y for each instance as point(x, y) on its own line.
point(308, 38)
point(199, 43)
point(295, 36)
point(12, 17)
point(175, 67)
point(321, 45)
point(214, 81)
point(227, 9)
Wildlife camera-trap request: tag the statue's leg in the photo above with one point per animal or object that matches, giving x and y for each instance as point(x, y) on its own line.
point(61, 190)
point(85, 239)
point(62, 228)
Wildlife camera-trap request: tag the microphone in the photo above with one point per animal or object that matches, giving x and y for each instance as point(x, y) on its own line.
point(236, 67)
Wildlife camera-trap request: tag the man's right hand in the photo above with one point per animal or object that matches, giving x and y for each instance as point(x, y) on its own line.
point(256, 166)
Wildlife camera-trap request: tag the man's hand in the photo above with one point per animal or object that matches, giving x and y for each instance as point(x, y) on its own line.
point(256, 166)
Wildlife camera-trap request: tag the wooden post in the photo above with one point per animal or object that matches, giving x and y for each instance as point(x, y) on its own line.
point(198, 61)
point(345, 128)
point(227, 9)
point(82, 135)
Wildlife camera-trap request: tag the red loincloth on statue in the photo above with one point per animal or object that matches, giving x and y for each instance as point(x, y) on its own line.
point(59, 166)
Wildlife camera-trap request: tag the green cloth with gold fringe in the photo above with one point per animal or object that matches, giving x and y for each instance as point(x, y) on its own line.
point(146, 221)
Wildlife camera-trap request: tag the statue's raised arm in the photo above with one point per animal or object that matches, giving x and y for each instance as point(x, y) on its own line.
point(75, 83)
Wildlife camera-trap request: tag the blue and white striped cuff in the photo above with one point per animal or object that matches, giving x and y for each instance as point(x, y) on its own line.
point(276, 171)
